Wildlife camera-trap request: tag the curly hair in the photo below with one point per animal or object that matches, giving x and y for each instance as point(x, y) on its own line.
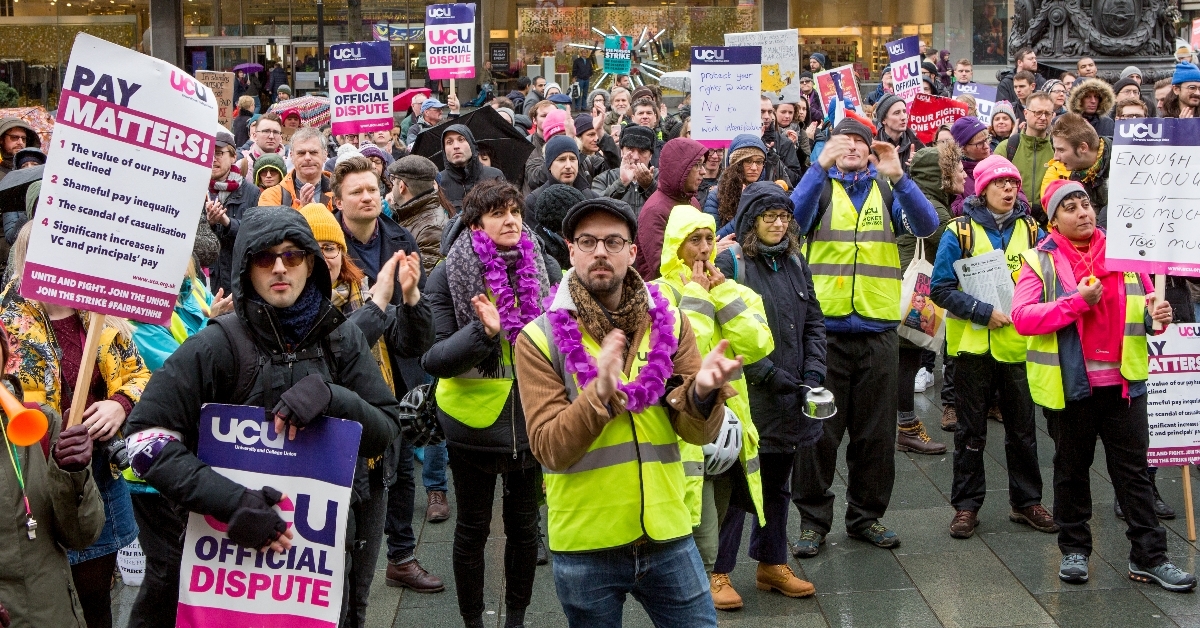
point(730, 184)
point(752, 246)
point(949, 159)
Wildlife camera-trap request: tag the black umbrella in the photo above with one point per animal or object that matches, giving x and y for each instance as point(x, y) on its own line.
point(510, 147)
point(14, 185)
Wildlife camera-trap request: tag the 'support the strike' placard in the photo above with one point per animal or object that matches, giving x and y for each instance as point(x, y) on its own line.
point(222, 585)
point(1173, 400)
point(904, 61)
point(780, 61)
point(450, 40)
point(1154, 197)
point(725, 93)
point(221, 84)
point(360, 76)
point(985, 98)
point(129, 165)
point(927, 113)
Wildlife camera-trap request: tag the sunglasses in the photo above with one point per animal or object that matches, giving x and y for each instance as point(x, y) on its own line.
point(266, 259)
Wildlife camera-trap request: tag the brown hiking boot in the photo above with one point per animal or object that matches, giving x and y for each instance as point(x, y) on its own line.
point(949, 419)
point(413, 576)
point(1035, 516)
point(994, 414)
point(437, 510)
point(913, 438)
point(963, 525)
point(725, 598)
point(780, 578)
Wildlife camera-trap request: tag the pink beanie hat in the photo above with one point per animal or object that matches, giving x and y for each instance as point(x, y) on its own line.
point(555, 123)
point(992, 168)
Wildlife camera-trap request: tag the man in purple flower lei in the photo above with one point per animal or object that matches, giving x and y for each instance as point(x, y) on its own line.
point(611, 378)
point(491, 284)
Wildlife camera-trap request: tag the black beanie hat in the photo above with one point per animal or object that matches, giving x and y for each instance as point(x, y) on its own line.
point(639, 137)
point(850, 126)
point(552, 205)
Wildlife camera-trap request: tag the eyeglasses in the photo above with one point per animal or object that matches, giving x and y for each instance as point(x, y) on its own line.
point(1006, 183)
point(1057, 91)
point(613, 243)
point(266, 259)
point(1040, 114)
point(270, 132)
point(980, 144)
point(15, 136)
point(757, 162)
point(331, 251)
point(775, 217)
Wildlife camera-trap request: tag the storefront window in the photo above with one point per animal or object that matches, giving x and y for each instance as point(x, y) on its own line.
point(854, 32)
point(989, 42)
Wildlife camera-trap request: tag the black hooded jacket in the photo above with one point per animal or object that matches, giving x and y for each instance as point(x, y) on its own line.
point(204, 370)
point(456, 181)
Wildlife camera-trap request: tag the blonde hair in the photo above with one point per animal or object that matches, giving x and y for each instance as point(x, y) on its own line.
point(246, 102)
point(20, 249)
point(972, 106)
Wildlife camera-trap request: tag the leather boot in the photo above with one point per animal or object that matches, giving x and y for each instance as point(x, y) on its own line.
point(780, 578)
point(413, 576)
point(912, 437)
point(725, 598)
point(949, 419)
point(437, 510)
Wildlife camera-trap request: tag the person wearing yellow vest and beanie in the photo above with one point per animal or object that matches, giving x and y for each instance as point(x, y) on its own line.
point(490, 285)
point(1088, 362)
point(611, 378)
point(988, 351)
point(852, 211)
point(718, 309)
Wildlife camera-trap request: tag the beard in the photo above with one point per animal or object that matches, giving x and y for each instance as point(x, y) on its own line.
point(602, 287)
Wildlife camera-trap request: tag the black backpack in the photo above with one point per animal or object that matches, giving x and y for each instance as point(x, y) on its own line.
point(250, 359)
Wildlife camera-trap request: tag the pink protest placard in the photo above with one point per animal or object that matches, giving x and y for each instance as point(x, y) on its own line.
point(450, 40)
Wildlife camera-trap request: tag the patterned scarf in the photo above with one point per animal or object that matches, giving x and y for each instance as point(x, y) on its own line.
point(347, 298)
point(229, 185)
point(630, 316)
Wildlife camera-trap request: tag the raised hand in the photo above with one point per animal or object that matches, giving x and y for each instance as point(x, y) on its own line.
point(609, 365)
point(384, 288)
point(888, 161)
point(835, 147)
point(486, 311)
point(716, 370)
point(408, 274)
point(221, 304)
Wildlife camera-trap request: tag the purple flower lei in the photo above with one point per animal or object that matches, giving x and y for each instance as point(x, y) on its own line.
point(650, 384)
point(515, 311)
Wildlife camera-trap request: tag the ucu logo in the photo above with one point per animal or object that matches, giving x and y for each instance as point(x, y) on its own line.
point(360, 82)
point(248, 432)
point(906, 71)
point(707, 54)
point(1141, 130)
point(1189, 332)
point(450, 36)
point(184, 83)
point(347, 54)
point(435, 11)
point(297, 515)
point(896, 50)
point(968, 88)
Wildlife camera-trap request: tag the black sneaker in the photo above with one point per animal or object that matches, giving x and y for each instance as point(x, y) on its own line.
point(808, 545)
point(878, 535)
point(1161, 508)
point(1118, 511)
point(1166, 575)
point(543, 555)
point(1074, 569)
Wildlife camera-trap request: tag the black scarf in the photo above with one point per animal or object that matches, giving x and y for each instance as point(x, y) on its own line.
point(299, 318)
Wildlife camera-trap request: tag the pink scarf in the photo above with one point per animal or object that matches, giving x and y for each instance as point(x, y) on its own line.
point(1103, 323)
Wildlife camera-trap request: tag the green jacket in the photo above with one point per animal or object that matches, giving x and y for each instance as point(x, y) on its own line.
point(927, 174)
point(1030, 157)
point(35, 582)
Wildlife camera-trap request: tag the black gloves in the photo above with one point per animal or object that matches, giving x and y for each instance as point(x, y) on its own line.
point(783, 383)
point(72, 453)
point(254, 524)
point(5, 620)
point(306, 400)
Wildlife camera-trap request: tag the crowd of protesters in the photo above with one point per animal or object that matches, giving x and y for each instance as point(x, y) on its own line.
point(624, 336)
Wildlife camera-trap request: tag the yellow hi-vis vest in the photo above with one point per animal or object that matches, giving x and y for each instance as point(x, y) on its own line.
point(1043, 364)
point(707, 322)
point(1004, 344)
point(854, 259)
point(476, 400)
point(629, 483)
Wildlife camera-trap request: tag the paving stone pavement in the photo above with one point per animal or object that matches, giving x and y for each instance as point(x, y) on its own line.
point(1006, 575)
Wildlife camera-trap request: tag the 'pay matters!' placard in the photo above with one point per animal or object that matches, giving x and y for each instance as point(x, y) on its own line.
point(124, 184)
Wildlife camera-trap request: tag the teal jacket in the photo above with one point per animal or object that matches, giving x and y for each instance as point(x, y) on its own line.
point(157, 342)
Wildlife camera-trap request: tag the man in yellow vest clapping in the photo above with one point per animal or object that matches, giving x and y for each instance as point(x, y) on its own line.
point(611, 378)
point(988, 349)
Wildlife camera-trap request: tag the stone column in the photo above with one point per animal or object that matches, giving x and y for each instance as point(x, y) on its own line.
point(166, 31)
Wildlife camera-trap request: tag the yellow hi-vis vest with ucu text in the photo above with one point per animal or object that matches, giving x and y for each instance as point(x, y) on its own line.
point(629, 483)
point(1043, 363)
point(854, 260)
point(475, 399)
point(1004, 343)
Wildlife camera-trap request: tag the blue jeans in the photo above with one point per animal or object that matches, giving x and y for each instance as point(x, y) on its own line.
point(668, 580)
point(401, 541)
point(433, 467)
point(581, 104)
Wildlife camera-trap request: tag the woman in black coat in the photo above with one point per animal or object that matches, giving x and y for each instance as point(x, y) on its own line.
point(769, 262)
point(477, 315)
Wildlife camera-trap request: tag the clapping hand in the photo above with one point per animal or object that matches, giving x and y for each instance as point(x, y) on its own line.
point(487, 313)
point(221, 304)
point(716, 370)
point(408, 274)
point(887, 161)
point(214, 211)
point(609, 365)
